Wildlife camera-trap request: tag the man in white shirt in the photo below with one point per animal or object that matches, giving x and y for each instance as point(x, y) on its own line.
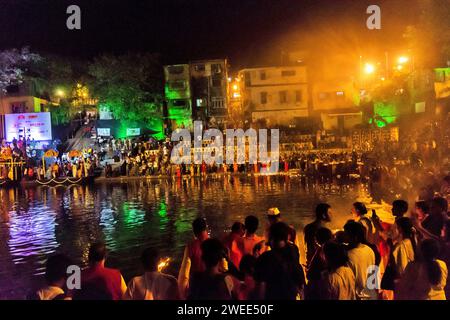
point(361, 259)
point(55, 275)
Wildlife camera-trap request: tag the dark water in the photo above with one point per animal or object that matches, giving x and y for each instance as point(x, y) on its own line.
point(37, 222)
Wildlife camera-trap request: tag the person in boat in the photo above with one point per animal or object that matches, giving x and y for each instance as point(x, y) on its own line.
point(48, 173)
point(55, 170)
point(74, 170)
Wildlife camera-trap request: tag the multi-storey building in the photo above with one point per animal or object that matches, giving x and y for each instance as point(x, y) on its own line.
point(276, 95)
point(336, 101)
point(178, 95)
point(209, 90)
point(442, 89)
point(235, 110)
point(19, 99)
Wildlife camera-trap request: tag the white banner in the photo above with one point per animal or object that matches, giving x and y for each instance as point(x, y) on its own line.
point(104, 132)
point(133, 132)
point(37, 126)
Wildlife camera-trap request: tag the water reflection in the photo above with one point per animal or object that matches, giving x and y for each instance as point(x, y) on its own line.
point(130, 216)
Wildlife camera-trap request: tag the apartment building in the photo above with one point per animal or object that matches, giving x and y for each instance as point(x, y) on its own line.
point(442, 89)
point(276, 95)
point(19, 99)
point(178, 95)
point(209, 90)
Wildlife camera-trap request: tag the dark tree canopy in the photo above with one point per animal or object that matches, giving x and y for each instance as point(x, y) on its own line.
point(130, 85)
point(14, 64)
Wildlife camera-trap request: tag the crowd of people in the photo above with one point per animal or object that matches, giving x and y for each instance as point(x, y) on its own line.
point(367, 259)
point(79, 167)
point(19, 162)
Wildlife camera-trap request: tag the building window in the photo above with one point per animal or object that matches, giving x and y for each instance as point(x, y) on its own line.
point(179, 103)
point(200, 102)
point(175, 69)
point(217, 103)
point(442, 76)
point(263, 96)
point(283, 96)
point(324, 96)
point(298, 96)
point(216, 82)
point(199, 67)
point(340, 94)
point(177, 85)
point(216, 68)
point(288, 73)
point(262, 75)
point(19, 107)
point(247, 79)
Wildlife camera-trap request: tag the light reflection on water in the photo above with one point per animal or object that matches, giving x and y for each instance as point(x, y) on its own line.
point(37, 222)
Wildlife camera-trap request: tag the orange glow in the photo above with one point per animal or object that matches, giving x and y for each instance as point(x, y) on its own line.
point(403, 59)
point(163, 263)
point(369, 68)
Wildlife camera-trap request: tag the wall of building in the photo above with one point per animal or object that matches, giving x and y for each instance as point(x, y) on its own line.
point(333, 122)
point(21, 104)
point(279, 94)
point(442, 83)
point(209, 88)
point(334, 94)
point(178, 95)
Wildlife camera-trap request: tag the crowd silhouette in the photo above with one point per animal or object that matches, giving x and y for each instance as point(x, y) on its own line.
point(367, 259)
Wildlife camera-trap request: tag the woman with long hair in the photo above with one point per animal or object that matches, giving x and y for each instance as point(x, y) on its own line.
point(338, 282)
point(405, 245)
point(426, 277)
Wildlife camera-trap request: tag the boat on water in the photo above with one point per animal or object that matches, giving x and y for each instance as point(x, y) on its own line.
point(54, 182)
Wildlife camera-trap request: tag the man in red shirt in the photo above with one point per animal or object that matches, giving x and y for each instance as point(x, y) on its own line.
point(98, 282)
point(192, 258)
point(231, 241)
point(247, 244)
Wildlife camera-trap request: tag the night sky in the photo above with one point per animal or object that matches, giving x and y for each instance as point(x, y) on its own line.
point(248, 32)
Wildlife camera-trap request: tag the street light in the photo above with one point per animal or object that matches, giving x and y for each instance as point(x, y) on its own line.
point(60, 93)
point(369, 68)
point(403, 60)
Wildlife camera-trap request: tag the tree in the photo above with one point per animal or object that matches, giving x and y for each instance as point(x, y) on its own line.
point(60, 113)
point(14, 64)
point(129, 85)
point(430, 38)
point(53, 76)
